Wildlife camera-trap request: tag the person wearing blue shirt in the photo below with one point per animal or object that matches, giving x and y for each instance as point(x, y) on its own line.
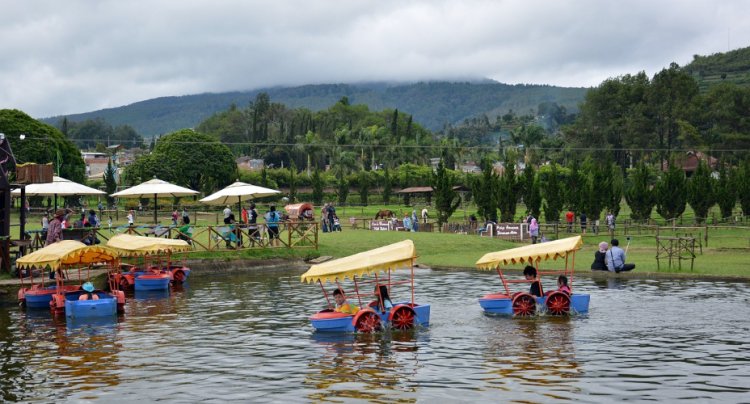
point(616, 258)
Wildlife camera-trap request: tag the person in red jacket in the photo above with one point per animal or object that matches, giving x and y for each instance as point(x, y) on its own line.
point(569, 219)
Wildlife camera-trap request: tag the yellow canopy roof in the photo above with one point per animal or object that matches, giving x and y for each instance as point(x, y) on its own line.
point(390, 257)
point(531, 253)
point(130, 245)
point(66, 252)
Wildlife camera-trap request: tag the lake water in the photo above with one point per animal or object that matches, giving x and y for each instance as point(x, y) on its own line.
point(246, 337)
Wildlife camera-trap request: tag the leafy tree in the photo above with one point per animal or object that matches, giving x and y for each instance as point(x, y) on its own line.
point(447, 199)
point(387, 187)
point(700, 191)
point(743, 187)
point(670, 192)
point(364, 186)
point(110, 184)
point(42, 144)
point(638, 194)
point(508, 190)
point(190, 159)
point(553, 196)
point(532, 195)
point(484, 189)
point(317, 187)
point(726, 191)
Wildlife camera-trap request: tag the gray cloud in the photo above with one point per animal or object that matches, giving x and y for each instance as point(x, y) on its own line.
point(77, 56)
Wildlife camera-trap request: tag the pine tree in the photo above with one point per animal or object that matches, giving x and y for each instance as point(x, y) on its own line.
point(364, 187)
point(614, 191)
point(292, 182)
point(483, 188)
point(574, 184)
point(670, 193)
point(553, 197)
point(532, 196)
point(317, 187)
point(639, 195)
point(447, 199)
point(110, 183)
point(743, 187)
point(508, 191)
point(700, 192)
point(387, 187)
point(726, 191)
point(342, 190)
point(594, 197)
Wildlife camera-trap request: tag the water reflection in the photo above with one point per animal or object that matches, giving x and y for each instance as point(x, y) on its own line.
point(534, 352)
point(374, 367)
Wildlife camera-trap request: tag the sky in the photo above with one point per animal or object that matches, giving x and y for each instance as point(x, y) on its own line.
point(73, 56)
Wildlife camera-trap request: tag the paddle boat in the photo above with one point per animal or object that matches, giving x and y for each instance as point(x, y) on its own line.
point(522, 303)
point(380, 264)
point(39, 295)
point(157, 270)
point(60, 257)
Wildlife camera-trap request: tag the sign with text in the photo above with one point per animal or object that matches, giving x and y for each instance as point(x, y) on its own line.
point(510, 231)
point(381, 225)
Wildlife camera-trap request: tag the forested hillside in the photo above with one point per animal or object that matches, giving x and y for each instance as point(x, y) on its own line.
point(432, 104)
point(733, 67)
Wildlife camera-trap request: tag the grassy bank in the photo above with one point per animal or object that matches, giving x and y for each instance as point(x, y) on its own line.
point(728, 253)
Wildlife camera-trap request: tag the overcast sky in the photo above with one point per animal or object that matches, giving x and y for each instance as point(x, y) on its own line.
point(62, 57)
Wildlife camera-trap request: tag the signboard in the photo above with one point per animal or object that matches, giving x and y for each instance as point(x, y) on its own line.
point(510, 231)
point(380, 225)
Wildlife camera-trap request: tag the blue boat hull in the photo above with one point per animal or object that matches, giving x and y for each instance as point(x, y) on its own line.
point(39, 299)
point(152, 282)
point(579, 303)
point(105, 306)
point(346, 323)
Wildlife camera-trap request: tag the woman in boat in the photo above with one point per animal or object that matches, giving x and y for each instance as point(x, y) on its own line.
point(88, 287)
point(383, 302)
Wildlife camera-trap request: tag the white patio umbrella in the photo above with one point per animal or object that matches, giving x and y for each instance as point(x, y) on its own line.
point(155, 188)
point(235, 193)
point(58, 186)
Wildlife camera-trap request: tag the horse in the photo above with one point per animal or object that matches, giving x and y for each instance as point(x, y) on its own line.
point(384, 214)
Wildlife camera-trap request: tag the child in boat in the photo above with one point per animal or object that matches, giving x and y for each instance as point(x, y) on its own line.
point(343, 305)
point(383, 303)
point(536, 286)
point(88, 287)
point(562, 284)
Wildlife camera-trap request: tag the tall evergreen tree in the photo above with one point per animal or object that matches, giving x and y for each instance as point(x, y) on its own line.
point(670, 192)
point(594, 196)
point(553, 196)
point(743, 186)
point(700, 192)
point(726, 191)
point(447, 199)
point(532, 196)
point(342, 190)
point(574, 184)
point(110, 183)
point(364, 187)
point(483, 189)
point(292, 182)
point(508, 191)
point(317, 187)
point(638, 194)
point(614, 192)
point(387, 187)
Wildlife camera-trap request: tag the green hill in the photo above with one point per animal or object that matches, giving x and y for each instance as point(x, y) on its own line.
point(432, 104)
point(733, 66)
